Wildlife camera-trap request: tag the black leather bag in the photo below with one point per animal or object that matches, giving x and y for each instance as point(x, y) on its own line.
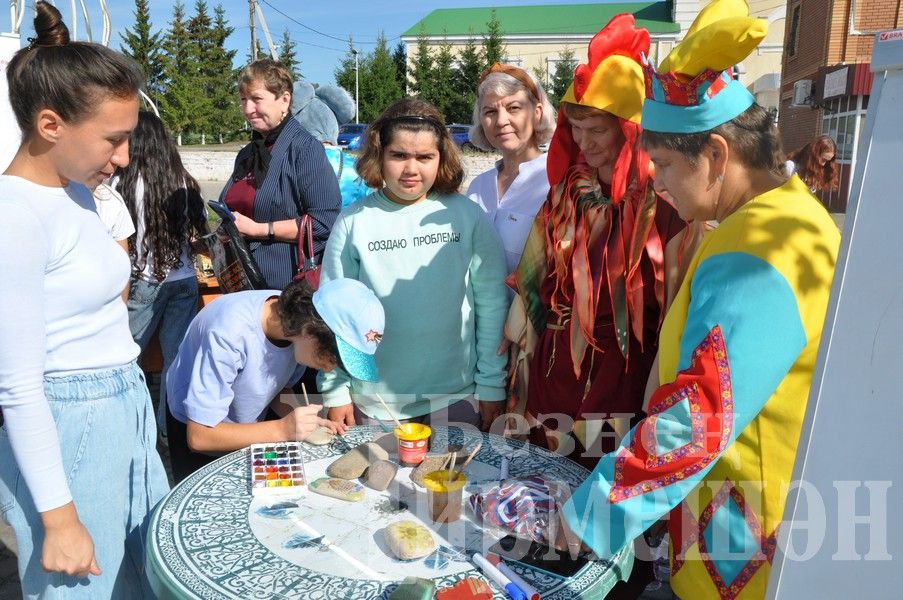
point(233, 264)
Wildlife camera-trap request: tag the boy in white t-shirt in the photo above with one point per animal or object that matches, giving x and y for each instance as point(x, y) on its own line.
point(244, 348)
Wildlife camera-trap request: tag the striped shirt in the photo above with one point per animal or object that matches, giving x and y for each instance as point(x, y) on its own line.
point(300, 180)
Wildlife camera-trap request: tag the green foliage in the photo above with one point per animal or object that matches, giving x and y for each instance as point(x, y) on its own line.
point(379, 81)
point(466, 79)
point(400, 58)
point(144, 46)
point(378, 73)
point(562, 76)
point(443, 86)
point(288, 57)
point(178, 103)
point(493, 42)
point(344, 73)
point(224, 92)
point(422, 76)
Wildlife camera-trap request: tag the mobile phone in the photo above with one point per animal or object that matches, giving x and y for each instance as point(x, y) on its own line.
point(539, 557)
point(221, 209)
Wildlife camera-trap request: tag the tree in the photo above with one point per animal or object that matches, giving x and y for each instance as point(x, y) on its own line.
point(467, 77)
point(344, 73)
point(400, 58)
point(422, 68)
point(562, 76)
point(203, 52)
point(379, 85)
point(179, 104)
point(144, 47)
point(443, 85)
point(223, 95)
point(493, 42)
point(288, 57)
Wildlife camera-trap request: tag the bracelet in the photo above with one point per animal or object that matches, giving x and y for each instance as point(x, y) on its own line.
point(271, 236)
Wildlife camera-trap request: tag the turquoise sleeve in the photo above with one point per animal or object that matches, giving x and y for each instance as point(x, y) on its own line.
point(490, 299)
point(742, 335)
point(338, 261)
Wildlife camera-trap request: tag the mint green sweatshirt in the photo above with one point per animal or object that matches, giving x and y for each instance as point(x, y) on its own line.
point(438, 268)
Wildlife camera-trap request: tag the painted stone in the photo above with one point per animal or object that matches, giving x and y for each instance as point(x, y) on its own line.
point(432, 462)
point(409, 540)
point(338, 488)
point(320, 436)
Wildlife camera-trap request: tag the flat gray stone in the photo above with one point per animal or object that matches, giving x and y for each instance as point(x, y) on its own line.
point(380, 474)
point(353, 463)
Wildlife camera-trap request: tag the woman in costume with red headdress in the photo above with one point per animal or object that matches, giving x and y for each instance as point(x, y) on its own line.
point(592, 277)
point(739, 344)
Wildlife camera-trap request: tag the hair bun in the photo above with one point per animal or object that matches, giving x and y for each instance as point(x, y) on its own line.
point(49, 27)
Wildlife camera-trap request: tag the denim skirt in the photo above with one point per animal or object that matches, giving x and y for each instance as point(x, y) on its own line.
point(105, 423)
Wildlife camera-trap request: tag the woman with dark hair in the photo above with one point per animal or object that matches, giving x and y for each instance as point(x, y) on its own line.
point(166, 205)
point(79, 473)
point(280, 176)
point(739, 343)
point(592, 276)
point(816, 164)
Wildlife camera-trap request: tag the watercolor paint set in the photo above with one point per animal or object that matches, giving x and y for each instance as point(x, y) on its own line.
point(277, 469)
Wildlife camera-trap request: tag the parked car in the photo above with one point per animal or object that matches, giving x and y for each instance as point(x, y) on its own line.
point(351, 135)
point(461, 135)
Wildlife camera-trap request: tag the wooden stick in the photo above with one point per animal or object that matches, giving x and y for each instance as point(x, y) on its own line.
point(470, 457)
point(444, 462)
point(451, 467)
point(304, 389)
point(391, 414)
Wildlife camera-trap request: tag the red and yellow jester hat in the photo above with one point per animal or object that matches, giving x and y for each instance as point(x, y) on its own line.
point(610, 80)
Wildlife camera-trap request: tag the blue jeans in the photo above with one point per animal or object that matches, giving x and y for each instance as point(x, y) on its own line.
point(169, 307)
point(105, 425)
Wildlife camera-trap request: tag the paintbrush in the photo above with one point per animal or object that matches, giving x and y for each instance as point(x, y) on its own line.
point(391, 414)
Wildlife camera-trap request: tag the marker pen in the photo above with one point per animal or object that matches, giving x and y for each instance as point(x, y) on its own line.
point(516, 579)
point(495, 575)
point(503, 469)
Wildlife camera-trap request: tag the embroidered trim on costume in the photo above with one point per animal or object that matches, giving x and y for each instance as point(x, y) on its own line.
point(714, 341)
point(765, 552)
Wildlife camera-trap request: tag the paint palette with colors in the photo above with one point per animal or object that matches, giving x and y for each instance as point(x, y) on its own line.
point(277, 469)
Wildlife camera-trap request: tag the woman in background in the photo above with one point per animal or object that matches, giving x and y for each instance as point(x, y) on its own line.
point(166, 205)
point(279, 177)
point(512, 116)
point(816, 164)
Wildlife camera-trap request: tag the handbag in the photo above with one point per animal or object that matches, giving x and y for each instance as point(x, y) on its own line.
point(308, 269)
point(233, 264)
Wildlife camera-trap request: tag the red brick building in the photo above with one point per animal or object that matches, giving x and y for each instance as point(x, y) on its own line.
point(826, 81)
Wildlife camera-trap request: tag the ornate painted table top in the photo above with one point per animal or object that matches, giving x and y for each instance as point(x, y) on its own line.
point(209, 538)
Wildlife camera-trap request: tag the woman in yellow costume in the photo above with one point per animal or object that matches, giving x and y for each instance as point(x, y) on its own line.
point(739, 343)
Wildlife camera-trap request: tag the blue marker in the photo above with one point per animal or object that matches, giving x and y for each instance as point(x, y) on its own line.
point(495, 575)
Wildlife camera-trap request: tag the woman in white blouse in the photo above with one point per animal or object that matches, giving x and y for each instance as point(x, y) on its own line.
point(513, 116)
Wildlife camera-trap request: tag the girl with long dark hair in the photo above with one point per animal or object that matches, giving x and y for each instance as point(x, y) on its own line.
point(166, 205)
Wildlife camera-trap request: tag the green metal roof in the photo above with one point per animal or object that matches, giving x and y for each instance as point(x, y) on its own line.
point(545, 19)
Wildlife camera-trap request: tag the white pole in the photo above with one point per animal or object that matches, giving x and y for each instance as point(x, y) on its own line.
point(356, 86)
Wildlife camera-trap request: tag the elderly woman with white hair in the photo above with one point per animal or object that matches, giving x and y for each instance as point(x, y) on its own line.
point(513, 116)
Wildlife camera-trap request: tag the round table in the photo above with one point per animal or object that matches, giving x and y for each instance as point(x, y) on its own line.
point(210, 538)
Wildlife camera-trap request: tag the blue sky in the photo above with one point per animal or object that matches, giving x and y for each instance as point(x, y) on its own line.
point(319, 54)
